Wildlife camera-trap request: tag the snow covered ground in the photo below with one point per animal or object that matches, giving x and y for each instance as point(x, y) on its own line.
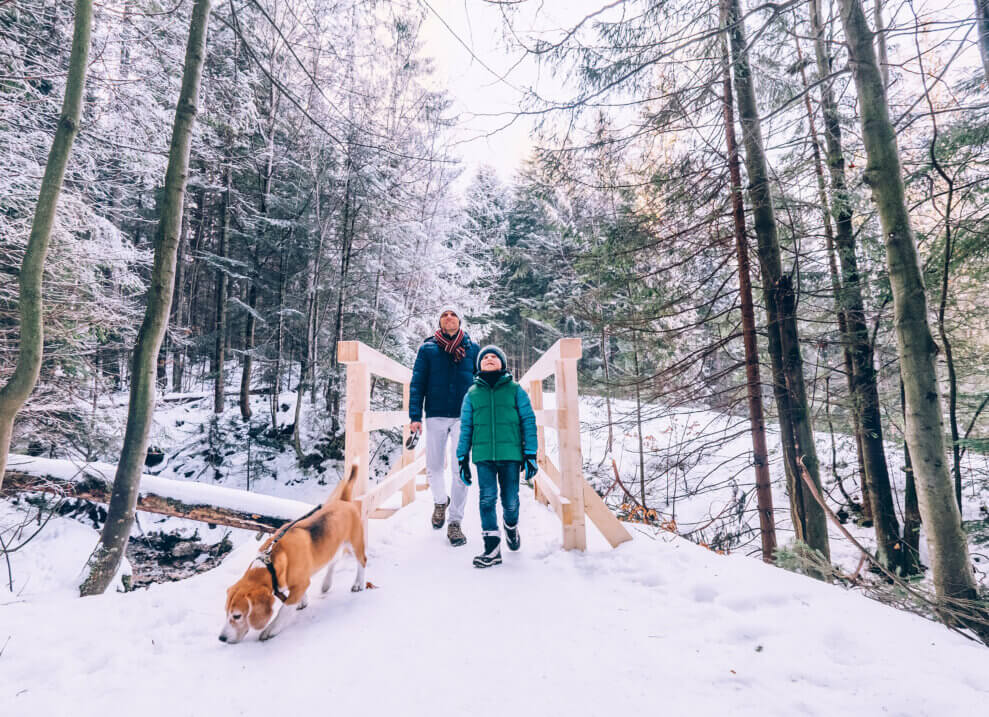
point(657, 626)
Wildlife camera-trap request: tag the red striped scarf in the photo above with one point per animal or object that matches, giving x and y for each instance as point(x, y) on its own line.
point(454, 346)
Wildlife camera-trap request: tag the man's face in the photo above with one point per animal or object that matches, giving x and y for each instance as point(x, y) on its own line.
point(491, 362)
point(449, 322)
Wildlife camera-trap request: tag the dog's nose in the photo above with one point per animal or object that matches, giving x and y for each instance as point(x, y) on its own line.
point(223, 638)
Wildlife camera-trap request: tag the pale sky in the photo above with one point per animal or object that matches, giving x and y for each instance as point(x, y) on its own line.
point(487, 82)
point(487, 87)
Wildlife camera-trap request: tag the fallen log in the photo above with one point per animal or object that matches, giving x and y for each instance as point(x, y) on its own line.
point(181, 499)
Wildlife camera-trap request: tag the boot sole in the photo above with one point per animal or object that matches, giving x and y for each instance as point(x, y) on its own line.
point(458, 543)
point(487, 563)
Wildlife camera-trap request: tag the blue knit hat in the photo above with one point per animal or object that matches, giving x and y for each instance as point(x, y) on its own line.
point(492, 349)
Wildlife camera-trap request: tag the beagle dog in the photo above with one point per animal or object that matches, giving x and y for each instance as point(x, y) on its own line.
point(289, 559)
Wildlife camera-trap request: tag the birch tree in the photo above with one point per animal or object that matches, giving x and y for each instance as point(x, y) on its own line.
point(30, 298)
point(953, 576)
point(109, 552)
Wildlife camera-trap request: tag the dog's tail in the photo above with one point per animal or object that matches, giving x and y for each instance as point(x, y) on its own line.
point(345, 488)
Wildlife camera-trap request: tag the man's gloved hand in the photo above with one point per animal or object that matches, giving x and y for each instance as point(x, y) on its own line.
point(465, 470)
point(531, 467)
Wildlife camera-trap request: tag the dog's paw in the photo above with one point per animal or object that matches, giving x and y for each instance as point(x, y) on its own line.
point(266, 635)
point(357, 587)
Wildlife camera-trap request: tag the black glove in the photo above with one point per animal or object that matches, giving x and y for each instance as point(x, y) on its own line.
point(465, 470)
point(531, 467)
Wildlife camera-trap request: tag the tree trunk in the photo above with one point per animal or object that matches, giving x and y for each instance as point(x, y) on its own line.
point(89, 487)
point(638, 420)
point(982, 21)
point(810, 521)
point(276, 374)
point(105, 560)
point(245, 375)
point(760, 454)
point(607, 389)
point(911, 509)
point(30, 302)
point(865, 397)
point(836, 287)
point(179, 316)
point(877, 15)
point(219, 353)
point(952, 568)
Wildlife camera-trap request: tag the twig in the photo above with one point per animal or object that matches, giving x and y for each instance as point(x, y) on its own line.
point(938, 607)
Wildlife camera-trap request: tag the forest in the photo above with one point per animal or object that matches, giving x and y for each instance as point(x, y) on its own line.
point(768, 223)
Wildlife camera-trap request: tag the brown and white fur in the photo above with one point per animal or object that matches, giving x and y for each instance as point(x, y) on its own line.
point(309, 545)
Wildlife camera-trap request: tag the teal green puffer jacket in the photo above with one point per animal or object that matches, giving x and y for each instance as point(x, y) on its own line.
point(497, 424)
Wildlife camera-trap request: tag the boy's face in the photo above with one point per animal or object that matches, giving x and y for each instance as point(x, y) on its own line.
point(491, 362)
point(449, 322)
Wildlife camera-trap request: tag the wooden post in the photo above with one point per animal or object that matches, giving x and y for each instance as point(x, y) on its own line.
point(536, 398)
point(571, 462)
point(409, 489)
point(357, 442)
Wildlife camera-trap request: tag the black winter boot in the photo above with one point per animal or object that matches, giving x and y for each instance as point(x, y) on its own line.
point(492, 550)
point(512, 536)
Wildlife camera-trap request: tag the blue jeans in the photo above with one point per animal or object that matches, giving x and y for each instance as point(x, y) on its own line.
point(491, 475)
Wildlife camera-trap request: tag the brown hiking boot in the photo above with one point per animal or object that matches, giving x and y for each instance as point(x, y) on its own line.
point(454, 534)
point(439, 514)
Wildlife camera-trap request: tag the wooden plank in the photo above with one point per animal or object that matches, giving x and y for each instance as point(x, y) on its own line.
point(353, 352)
point(382, 513)
point(571, 463)
point(560, 505)
point(356, 441)
point(602, 517)
point(552, 471)
point(545, 365)
point(379, 420)
point(408, 457)
point(381, 492)
point(547, 418)
point(535, 389)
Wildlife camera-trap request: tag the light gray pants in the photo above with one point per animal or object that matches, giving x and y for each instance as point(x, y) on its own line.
point(438, 432)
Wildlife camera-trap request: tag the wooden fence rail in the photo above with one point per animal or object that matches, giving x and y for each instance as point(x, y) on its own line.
point(564, 488)
point(362, 362)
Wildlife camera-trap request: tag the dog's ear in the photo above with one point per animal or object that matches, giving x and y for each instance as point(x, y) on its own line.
point(262, 608)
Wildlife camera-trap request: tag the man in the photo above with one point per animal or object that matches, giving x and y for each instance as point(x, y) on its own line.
point(442, 374)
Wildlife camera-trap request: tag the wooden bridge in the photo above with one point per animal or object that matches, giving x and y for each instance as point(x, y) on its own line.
point(560, 485)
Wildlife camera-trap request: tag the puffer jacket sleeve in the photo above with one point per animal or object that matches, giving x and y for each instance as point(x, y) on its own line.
point(530, 436)
point(466, 427)
point(417, 389)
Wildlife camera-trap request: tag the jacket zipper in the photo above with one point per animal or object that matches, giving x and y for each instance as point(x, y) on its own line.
point(494, 448)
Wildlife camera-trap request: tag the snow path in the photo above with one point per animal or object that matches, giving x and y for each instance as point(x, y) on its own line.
point(657, 626)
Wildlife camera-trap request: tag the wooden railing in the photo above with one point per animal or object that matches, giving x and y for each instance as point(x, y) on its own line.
point(362, 361)
point(564, 488)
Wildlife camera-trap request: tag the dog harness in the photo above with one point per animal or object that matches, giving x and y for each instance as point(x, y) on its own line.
point(266, 560)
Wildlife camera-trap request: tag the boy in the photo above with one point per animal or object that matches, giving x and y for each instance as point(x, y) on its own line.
point(498, 430)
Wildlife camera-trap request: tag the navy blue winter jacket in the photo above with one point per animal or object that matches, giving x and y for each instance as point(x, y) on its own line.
point(440, 381)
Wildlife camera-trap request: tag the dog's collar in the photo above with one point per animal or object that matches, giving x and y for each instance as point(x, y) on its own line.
point(265, 560)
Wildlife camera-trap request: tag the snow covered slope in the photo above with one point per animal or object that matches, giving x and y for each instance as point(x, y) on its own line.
point(658, 626)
